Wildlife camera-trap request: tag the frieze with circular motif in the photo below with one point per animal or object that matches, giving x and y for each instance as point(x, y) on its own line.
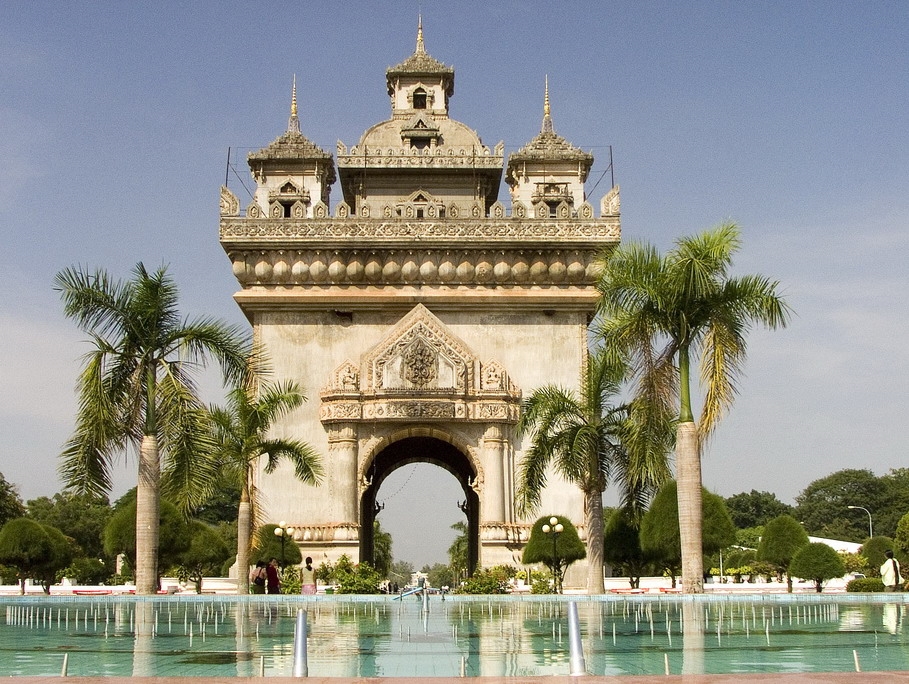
point(394, 267)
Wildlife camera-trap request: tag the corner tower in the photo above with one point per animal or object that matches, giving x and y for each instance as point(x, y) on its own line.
point(417, 312)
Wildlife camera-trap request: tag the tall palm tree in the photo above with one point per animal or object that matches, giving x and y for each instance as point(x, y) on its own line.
point(664, 311)
point(137, 389)
point(589, 442)
point(240, 431)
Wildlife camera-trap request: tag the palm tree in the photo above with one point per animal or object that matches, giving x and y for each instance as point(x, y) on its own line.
point(240, 430)
point(663, 311)
point(581, 437)
point(137, 389)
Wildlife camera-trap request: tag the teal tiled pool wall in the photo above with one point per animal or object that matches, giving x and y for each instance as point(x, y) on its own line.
point(376, 636)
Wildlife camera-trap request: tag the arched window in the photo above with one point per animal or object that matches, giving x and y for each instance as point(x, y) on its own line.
point(419, 99)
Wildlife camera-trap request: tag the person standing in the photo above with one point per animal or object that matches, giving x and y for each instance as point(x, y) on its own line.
point(257, 577)
point(308, 578)
point(272, 581)
point(890, 573)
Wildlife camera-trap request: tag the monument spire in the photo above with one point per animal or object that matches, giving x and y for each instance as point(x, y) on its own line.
point(547, 119)
point(421, 49)
point(293, 123)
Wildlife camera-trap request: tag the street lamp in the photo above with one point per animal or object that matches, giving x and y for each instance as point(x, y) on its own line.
point(870, 528)
point(555, 528)
point(282, 531)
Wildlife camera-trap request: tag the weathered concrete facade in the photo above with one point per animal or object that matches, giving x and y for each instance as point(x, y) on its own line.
point(417, 312)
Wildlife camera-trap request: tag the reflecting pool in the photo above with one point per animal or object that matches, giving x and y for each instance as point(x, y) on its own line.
point(476, 636)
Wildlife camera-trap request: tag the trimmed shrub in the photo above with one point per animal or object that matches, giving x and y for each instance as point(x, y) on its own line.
point(862, 584)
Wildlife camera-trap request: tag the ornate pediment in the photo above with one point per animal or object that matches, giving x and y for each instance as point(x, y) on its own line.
point(419, 353)
point(420, 371)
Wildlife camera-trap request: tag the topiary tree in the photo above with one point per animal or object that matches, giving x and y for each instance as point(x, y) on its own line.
point(204, 555)
point(873, 550)
point(556, 551)
point(622, 546)
point(25, 546)
point(174, 535)
point(660, 528)
point(783, 537)
point(62, 552)
point(817, 562)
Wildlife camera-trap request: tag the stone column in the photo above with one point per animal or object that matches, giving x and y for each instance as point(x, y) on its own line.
point(494, 465)
point(342, 450)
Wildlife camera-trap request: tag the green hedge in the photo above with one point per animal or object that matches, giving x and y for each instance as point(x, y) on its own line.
point(865, 584)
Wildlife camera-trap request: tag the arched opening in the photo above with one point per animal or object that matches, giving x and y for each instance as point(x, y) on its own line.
point(420, 450)
point(419, 99)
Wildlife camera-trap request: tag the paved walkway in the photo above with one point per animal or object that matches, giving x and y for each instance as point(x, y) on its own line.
point(804, 678)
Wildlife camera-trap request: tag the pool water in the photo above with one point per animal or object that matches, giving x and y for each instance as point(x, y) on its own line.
point(477, 636)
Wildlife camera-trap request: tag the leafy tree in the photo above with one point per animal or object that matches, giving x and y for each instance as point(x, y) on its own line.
point(823, 506)
point(26, 546)
point(749, 537)
point(873, 550)
point(221, 506)
point(381, 549)
point(240, 430)
point(817, 562)
point(136, 390)
point(662, 313)
point(10, 503)
point(660, 530)
point(754, 509)
point(400, 572)
point(120, 534)
point(62, 552)
point(439, 575)
point(80, 516)
point(268, 545)
point(901, 540)
point(555, 551)
point(783, 538)
point(204, 555)
point(580, 436)
point(895, 502)
point(622, 546)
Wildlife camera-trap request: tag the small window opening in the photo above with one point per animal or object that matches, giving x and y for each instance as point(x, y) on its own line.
point(419, 99)
point(419, 213)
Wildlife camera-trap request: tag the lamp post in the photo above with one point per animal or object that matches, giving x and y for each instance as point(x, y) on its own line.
point(870, 528)
point(554, 528)
point(282, 531)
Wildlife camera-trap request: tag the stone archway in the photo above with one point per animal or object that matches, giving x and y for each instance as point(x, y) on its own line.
point(420, 449)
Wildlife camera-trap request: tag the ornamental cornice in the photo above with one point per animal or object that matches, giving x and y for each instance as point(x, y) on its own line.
point(238, 229)
point(394, 268)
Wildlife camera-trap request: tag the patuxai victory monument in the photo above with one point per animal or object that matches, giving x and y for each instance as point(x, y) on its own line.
point(415, 309)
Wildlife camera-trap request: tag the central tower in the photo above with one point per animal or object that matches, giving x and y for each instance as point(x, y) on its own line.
point(417, 312)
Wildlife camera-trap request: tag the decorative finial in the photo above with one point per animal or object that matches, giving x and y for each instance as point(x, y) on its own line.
point(293, 123)
point(547, 119)
point(420, 48)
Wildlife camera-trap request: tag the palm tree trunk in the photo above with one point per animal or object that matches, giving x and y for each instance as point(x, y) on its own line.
point(243, 533)
point(594, 506)
point(147, 516)
point(688, 478)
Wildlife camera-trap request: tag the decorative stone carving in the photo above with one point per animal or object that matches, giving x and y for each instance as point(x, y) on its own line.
point(253, 210)
point(391, 267)
point(419, 364)
point(610, 205)
point(420, 371)
point(230, 205)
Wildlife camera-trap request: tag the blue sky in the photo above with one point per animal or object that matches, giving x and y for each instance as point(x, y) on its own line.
point(790, 118)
